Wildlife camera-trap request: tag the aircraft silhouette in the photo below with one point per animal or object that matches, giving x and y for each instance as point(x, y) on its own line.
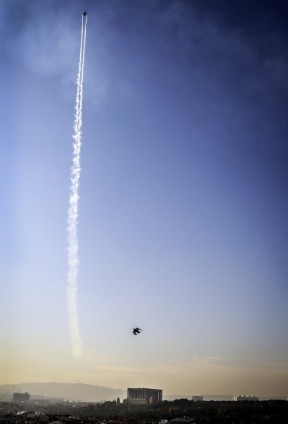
point(136, 331)
point(84, 13)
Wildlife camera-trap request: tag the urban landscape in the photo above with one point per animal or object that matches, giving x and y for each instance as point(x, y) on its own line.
point(143, 405)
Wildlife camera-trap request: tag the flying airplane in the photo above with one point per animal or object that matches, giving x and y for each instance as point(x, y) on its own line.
point(84, 13)
point(136, 331)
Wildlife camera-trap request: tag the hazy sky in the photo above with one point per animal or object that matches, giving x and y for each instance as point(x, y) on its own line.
point(183, 195)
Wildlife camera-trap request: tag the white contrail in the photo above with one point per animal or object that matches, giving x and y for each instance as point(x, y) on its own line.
point(73, 259)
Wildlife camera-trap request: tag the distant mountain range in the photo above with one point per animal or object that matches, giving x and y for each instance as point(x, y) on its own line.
point(66, 391)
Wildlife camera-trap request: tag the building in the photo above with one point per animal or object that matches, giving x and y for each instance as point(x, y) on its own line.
point(197, 398)
point(21, 397)
point(142, 396)
point(244, 397)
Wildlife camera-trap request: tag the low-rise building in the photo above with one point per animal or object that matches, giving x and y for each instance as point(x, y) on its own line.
point(197, 398)
point(245, 397)
point(21, 397)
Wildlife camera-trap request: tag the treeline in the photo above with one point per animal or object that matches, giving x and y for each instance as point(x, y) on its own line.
point(250, 412)
point(198, 412)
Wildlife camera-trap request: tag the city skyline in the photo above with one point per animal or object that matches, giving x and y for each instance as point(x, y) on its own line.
point(82, 392)
point(183, 194)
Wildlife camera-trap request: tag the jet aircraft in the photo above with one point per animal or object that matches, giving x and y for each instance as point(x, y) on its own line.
point(84, 13)
point(136, 331)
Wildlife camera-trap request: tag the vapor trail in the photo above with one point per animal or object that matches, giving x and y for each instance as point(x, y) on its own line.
point(73, 246)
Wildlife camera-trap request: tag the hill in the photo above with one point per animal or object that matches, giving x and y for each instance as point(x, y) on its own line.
point(67, 391)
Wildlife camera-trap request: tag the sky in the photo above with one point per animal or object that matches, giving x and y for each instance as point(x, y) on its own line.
point(183, 194)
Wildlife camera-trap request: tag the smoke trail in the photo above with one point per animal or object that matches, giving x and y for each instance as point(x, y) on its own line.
point(73, 259)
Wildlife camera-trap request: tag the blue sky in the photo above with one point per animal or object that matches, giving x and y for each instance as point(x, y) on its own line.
point(183, 194)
